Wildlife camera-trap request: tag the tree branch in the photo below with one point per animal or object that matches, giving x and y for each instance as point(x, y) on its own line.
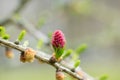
point(33, 31)
point(41, 56)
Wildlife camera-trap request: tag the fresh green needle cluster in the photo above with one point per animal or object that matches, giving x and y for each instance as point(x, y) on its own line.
point(3, 33)
point(21, 35)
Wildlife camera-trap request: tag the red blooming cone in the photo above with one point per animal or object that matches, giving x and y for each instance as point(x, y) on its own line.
point(58, 43)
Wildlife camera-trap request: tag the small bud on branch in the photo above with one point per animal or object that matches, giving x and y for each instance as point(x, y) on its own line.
point(59, 75)
point(6, 36)
point(28, 55)
point(67, 53)
point(77, 63)
point(20, 37)
point(9, 53)
point(2, 30)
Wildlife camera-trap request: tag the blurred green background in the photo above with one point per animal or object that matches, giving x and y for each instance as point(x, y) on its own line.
point(94, 22)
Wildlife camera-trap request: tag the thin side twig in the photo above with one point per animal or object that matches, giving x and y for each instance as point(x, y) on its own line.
point(40, 56)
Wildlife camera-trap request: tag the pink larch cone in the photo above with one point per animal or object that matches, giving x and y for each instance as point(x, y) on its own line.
point(58, 39)
point(58, 43)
